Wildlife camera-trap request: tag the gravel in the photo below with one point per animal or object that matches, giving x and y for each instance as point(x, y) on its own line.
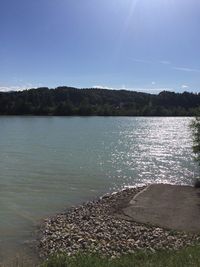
point(97, 227)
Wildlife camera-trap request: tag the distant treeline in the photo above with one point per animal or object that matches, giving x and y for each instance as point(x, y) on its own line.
point(66, 101)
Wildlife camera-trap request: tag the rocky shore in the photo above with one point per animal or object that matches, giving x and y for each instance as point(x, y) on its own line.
point(97, 227)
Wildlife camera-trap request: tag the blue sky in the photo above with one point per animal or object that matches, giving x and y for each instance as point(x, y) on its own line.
point(144, 45)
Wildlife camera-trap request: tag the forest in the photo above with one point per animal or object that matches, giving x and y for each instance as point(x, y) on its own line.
point(68, 101)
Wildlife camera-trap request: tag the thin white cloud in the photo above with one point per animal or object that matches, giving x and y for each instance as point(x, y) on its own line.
point(11, 88)
point(103, 87)
point(184, 86)
point(186, 69)
point(19, 87)
point(142, 60)
point(165, 62)
point(151, 90)
point(137, 89)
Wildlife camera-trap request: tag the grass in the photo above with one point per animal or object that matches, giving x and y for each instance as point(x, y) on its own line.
point(187, 257)
point(183, 258)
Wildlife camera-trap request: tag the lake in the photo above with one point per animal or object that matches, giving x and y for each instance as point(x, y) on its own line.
point(48, 164)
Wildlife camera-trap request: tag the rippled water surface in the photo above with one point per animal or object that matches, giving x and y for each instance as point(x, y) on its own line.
point(50, 163)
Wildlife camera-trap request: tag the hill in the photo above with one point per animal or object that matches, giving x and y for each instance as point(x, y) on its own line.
point(66, 101)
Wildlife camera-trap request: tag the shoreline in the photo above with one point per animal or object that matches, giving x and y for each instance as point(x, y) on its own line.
point(97, 227)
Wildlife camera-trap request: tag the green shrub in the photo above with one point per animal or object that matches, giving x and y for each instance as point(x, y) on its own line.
point(196, 138)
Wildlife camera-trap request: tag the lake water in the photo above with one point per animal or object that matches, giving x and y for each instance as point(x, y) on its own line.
point(48, 164)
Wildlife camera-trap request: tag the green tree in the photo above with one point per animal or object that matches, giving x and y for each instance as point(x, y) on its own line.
point(196, 145)
point(196, 138)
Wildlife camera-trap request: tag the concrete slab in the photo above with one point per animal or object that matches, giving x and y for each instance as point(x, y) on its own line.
point(168, 206)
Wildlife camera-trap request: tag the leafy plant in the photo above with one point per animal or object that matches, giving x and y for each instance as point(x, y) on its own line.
point(196, 144)
point(196, 138)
